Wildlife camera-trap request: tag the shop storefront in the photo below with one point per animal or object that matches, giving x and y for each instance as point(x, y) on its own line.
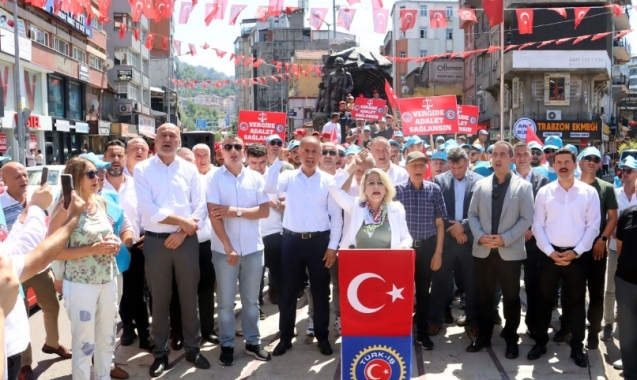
point(98, 136)
point(123, 131)
point(65, 141)
point(37, 126)
point(146, 126)
point(579, 133)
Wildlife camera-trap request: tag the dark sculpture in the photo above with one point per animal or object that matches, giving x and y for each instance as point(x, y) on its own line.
point(339, 84)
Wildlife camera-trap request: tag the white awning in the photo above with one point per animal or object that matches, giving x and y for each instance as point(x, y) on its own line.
point(156, 89)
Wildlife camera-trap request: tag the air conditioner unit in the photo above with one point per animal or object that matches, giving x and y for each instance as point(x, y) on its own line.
point(553, 114)
point(137, 107)
point(125, 108)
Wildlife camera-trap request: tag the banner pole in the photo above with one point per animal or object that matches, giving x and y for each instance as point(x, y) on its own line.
point(502, 78)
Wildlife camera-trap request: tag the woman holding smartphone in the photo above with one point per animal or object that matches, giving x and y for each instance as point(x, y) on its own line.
point(90, 270)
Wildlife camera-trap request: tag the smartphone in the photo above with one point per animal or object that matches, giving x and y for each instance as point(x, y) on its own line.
point(45, 176)
point(67, 187)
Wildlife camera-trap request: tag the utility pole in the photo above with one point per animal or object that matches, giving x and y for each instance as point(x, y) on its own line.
point(18, 80)
point(334, 19)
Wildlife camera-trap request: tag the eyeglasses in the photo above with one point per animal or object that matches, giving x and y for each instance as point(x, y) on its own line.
point(341, 154)
point(91, 174)
point(536, 152)
point(595, 159)
point(237, 147)
point(549, 151)
point(627, 171)
point(276, 142)
point(330, 152)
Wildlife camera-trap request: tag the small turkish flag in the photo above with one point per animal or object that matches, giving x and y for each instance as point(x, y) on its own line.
point(122, 30)
point(380, 20)
point(193, 49)
point(467, 14)
point(220, 53)
point(177, 46)
point(525, 20)
point(136, 34)
point(317, 16)
point(184, 13)
point(234, 13)
point(407, 19)
point(580, 13)
point(377, 4)
point(164, 43)
point(391, 95)
point(137, 9)
point(150, 38)
point(377, 291)
point(261, 14)
point(437, 18)
point(494, 10)
point(345, 17)
point(560, 11)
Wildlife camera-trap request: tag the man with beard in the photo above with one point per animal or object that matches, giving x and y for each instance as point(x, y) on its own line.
point(474, 155)
point(136, 152)
point(395, 156)
point(438, 164)
point(293, 154)
point(327, 163)
point(345, 120)
point(218, 155)
point(536, 154)
point(551, 144)
point(380, 150)
point(133, 309)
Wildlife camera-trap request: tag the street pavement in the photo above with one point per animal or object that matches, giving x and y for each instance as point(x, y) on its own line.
point(447, 361)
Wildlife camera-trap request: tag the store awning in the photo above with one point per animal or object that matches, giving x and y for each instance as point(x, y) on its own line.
point(156, 89)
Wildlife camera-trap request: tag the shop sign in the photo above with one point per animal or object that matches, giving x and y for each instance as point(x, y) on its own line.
point(124, 75)
point(103, 128)
point(62, 125)
point(81, 127)
point(147, 122)
point(78, 22)
point(569, 129)
point(83, 72)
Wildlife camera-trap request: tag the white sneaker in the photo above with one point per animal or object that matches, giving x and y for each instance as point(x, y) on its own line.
point(310, 328)
point(618, 365)
point(337, 325)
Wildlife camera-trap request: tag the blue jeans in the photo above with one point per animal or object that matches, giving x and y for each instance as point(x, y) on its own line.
point(626, 295)
point(248, 271)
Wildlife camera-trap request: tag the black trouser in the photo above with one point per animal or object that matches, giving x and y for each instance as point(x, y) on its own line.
point(205, 293)
point(532, 284)
point(424, 252)
point(456, 259)
point(297, 255)
point(14, 363)
point(488, 272)
point(595, 273)
point(272, 247)
point(132, 308)
point(573, 298)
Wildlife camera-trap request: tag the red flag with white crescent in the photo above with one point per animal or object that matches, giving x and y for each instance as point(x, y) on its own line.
point(136, 33)
point(525, 20)
point(580, 13)
point(122, 30)
point(193, 49)
point(317, 17)
point(234, 13)
point(616, 8)
point(345, 17)
point(391, 95)
point(494, 10)
point(380, 20)
point(184, 13)
point(150, 38)
point(275, 7)
point(137, 9)
point(407, 19)
point(467, 14)
point(149, 9)
point(437, 18)
point(177, 46)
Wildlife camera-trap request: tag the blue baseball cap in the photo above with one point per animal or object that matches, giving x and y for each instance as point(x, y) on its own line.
point(463, 146)
point(552, 142)
point(99, 164)
point(572, 148)
point(294, 144)
point(353, 149)
point(394, 143)
point(439, 156)
point(272, 138)
point(535, 145)
point(340, 148)
point(591, 151)
point(398, 134)
point(413, 140)
point(629, 162)
point(478, 148)
point(440, 138)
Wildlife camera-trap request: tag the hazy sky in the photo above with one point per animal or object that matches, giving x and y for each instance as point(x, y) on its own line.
point(220, 35)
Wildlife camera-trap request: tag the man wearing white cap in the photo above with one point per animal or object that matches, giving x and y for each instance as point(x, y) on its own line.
point(483, 136)
point(439, 141)
point(551, 144)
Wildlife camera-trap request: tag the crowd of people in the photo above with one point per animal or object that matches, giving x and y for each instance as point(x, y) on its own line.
point(199, 225)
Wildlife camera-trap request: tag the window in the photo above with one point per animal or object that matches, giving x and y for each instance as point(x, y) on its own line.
point(56, 96)
point(423, 11)
point(423, 53)
point(423, 32)
point(95, 62)
point(403, 78)
point(79, 54)
point(449, 13)
point(122, 18)
point(402, 54)
point(145, 66)
point(480, 63)
point(38, 35)
point(556, 88)
point(75, 101)
point(96, 24)
point(133, 59)
point(143, 38)
point(62, 47)
point(121, 56)
point(449, 34)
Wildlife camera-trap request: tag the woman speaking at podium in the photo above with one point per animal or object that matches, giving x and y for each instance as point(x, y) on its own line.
point(376, 221)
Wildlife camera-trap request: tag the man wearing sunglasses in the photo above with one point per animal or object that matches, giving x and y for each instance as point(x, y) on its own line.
point(327, 163)
point(274, 147)
point(551, 145)
point(595, 260)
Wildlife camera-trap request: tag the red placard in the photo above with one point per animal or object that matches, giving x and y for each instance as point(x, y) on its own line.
point(377, 291)
point(468, 119)
point(33, 141)
point(3, 143)
point(255, 126)
point(430, 115)
point(368, 109)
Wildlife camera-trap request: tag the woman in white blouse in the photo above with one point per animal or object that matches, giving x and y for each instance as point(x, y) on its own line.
point(376, 221)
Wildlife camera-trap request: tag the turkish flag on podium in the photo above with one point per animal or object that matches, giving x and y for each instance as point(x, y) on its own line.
point(377, 291)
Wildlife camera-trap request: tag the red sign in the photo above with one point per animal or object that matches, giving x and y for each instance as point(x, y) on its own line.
point(368, 109)
point(32, 122)
point(377, 291)
point(33, 142)
point(255, 126)
point(468, 119)
point(430, 115)
point(3, 143)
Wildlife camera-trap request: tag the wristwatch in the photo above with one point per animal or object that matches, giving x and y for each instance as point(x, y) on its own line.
point(239, 213)
point(604, 238)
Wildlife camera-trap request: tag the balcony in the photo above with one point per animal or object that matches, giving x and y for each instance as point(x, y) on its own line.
point(620, 51)
point(622, 22)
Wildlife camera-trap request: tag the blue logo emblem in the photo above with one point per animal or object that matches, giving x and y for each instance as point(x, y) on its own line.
point(379, 363)
point(450, 114)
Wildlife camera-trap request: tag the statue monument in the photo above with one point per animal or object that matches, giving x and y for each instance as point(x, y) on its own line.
point(339, 84)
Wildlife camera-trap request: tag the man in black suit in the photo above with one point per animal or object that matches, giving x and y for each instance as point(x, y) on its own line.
point(457, 189)
point(522, 157)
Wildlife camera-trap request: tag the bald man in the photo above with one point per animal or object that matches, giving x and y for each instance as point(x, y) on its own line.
point(13, 200)
point(136, 151)
point(172, 205)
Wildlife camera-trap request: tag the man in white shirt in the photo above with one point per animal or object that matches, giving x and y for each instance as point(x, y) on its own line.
point(381, 151)
point(565, 225)
point(9, 290)
point(13, 200)
point(132, 309)
point(136, 152)
point(333, 125)
point(31, 158)
point(31, 253)
point(329, 154)
point(310, 239)
point(236, 201)
point(172, 206)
